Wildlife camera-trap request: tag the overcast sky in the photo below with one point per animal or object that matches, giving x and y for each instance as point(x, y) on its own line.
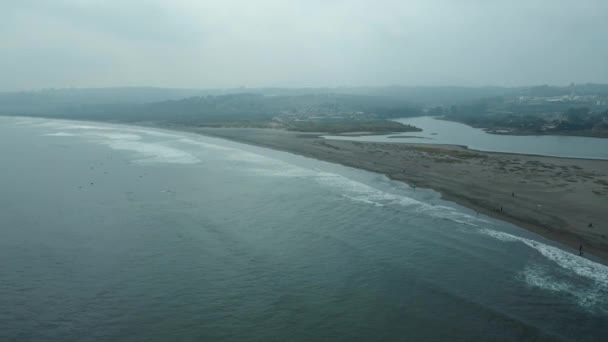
point(293, 43)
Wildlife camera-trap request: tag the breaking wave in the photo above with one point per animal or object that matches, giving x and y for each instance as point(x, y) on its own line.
point(126, 139)
point(61, 134)
point(591, 293)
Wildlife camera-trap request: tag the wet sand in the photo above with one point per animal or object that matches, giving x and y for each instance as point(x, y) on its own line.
point(554, 197)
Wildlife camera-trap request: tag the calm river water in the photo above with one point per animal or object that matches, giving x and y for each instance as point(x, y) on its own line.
point(447, 132)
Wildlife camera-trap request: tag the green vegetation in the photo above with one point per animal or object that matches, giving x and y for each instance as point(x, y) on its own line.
point(574, 121)
point(335, 113)
point(571, 110)
point(582, 111)
point(352, 126)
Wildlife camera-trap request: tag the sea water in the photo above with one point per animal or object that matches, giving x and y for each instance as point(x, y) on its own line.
point(125, 233)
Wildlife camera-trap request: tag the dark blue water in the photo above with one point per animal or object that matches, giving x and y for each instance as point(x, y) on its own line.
point(447, 132)
point(118, 233)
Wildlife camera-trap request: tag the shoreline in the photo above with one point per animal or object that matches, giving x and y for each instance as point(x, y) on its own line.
point(464, 147)
point(560, 217)
point(460, 175)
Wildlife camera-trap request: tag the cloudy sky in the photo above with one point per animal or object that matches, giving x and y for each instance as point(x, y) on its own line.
point(294, 43)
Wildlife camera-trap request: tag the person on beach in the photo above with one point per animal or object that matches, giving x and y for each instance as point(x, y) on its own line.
point(580, 250)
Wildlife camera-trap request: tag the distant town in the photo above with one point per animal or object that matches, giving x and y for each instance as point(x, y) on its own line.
point(543, 112)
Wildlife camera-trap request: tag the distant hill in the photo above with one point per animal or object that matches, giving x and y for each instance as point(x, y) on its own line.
point(243, 104)
point(235, 107)
point(57, 101)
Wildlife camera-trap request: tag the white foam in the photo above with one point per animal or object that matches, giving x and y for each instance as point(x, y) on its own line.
point(61, 134)
point(68, 125)
point(539, 277)
point(353, 190)
point(568, 261)
point(363, 200)
point(350, 189)
point(75, 126)
point(243, 156)
point(262, 165)
point(206, 145)
point(119, 138)
point(153, 133)
point(590, 296)
point(585, 280)
point(234, 154)
point(287, 172)
point(363, 192)
point(116, 136)
point(464, 222)
point(24, 122)
point(153, 152)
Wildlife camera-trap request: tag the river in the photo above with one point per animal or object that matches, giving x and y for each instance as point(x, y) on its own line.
point(436, 131)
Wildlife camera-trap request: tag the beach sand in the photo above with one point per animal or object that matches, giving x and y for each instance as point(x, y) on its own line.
point(554, 197)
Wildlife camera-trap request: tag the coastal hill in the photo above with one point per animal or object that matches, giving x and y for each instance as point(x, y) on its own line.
point(321, 112)
point(567, 110)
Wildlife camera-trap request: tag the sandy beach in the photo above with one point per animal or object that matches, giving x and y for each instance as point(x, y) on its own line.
point(562, 199)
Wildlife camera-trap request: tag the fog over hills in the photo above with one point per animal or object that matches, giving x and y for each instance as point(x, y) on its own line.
point(76, 101)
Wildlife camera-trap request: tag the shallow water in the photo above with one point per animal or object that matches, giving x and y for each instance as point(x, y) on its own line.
point(127, 233)
point(447, 132)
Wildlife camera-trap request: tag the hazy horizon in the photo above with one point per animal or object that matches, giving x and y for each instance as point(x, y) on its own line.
point(301, 44)
point(244, 88)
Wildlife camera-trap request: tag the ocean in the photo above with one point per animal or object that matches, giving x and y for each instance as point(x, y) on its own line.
point(124, 233)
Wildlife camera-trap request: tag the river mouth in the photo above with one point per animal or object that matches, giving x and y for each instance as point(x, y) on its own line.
point(435, 131)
